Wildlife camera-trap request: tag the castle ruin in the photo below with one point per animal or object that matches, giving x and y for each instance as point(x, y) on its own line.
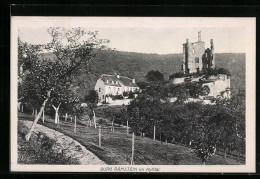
point(196, 58)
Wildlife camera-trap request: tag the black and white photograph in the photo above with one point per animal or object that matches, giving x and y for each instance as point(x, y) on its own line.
point(132, 94)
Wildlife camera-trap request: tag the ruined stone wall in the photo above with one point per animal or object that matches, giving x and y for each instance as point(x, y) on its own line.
point(219, 87)
point(191, 52)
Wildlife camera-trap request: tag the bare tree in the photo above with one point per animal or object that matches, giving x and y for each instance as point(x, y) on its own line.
point(72, 49)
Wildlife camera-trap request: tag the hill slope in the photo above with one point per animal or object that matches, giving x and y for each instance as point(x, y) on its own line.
point(136, 65)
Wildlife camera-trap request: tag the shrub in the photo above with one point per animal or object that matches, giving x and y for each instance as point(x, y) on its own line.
point(125, 93)
point(176, 75)
point(223, 71)
point(114, 97)
point(131, 95)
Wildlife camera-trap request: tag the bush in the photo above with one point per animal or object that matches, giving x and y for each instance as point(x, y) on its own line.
point(125, 93)
point(207, 72)
point(223, 71)
point(176, 75)
point(115, 97)
point(131, 95)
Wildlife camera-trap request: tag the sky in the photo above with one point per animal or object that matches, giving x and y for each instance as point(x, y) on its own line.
point(155, 35)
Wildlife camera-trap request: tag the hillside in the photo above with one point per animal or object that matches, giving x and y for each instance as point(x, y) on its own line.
point(136, 65)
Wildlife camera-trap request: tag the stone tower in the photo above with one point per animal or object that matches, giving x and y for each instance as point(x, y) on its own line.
point(196, 58)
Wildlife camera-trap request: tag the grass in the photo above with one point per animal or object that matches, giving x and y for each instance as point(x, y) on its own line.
point(35, 152)
point(116, 146)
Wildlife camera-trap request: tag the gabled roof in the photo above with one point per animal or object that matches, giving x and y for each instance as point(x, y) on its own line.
point(127, 81)
point(107, 79)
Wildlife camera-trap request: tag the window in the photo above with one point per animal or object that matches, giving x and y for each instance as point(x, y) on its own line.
point(193, 50)
point(103, 97)
point(197, 59)
point(99, 89)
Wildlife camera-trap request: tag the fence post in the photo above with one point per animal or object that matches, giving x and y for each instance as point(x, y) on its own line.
point(22, 108)
point(75, 125)
point(127, 127)
point(36, 113)
point(33, 112)
point(66, 116)
point(94, 116)
point(99, 137)
point(133, 148)
point(153, 132)
point(43, 116)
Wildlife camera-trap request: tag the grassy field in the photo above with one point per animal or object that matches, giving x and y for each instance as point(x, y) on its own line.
point(116, 146)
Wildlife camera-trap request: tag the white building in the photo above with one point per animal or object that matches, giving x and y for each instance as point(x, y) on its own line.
point(219, 85)
point(114, 85)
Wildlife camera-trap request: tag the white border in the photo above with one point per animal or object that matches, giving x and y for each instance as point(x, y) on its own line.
point(159, 22)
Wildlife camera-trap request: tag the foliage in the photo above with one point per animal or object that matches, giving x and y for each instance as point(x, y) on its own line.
point(92, 99)
point(131, 95)
point(204, 91)
point(125, 93)
point(137, 65)
point(176, 75)
point(207, 72)
point(206, 127)
point(154, 76)
point(115, 97)
point(73, 49)
point(168, 90)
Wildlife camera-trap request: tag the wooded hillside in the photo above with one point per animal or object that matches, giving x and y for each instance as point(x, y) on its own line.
point(136, 65)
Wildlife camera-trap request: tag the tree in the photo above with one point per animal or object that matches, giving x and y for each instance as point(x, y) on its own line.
point(224, 71)
point(73, 49)
point(92, 100)
point(204, 91)
point(176, 75)
point(154, 76)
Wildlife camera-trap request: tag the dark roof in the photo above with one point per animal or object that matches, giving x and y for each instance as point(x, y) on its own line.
point(124, 80)
point(127, 81)
point(108, 80)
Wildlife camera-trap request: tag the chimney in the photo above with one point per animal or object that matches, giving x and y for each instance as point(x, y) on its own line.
point(211, 43)
point(199, 36)
point(187, 40)
point(133, 80)
point(118, 76)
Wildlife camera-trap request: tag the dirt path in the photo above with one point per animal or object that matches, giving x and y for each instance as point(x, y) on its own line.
point(73, 148)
